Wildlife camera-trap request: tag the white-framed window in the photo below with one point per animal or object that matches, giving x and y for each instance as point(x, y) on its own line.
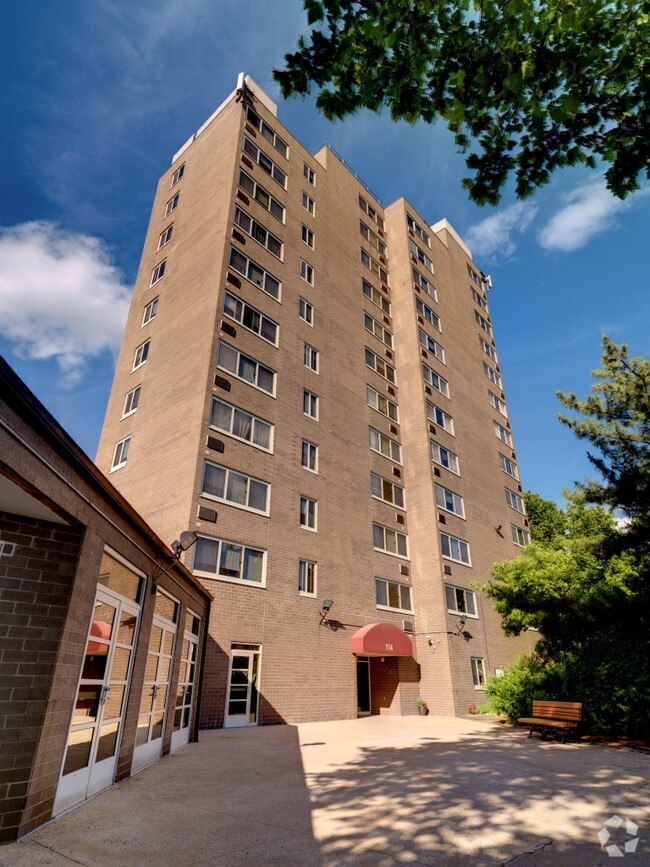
point(473, 275)
point(309, 456)
point(166, 236)
point(455, 549)
point(372, 238)
point(308, 513)
point(141, 354)
point(172, 204)
point(515, 501)
point(241, 425)
point(444, 457)
point(504, 435)
point(431, 345)
point(236, 489)
point(307, 577)
point(150, 311)
point(120, 453)
point(422, 257)
point(479, 299)
point(483, 323)
point(378, 330)
point(449, 501)
point(376, 297)
point(245, 368)
point(269, 134)
point(371, 212)
point(440, 417)
point(265, 163)
point(384, 445)
point(418, 230)
point(374, 362)
point(262, 196)
point(310, 404)
point(257, 275)
point(389, 541)
point(229, 561)
point(305, 311)
point(492, 375)
point(393, 596)
point(389, 492)
point(508, 466)
point(421, 281)
point(307, 272)
point(250, 318)
point(377, 401)
point(158, 272)
point(374, 266)
point(428, 314)
point(460, 601)
point(487, 348)
point(309, 174)
point(307, 236)
point(520, 536)
point(497, 404)
point(258, 233)
point(435, 380)
point(310, 357)
point(177, 176)
point(478, 672)
point(131, 401)
point(308, 204)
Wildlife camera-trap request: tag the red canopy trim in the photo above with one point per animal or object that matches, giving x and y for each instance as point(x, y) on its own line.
point(381, 639)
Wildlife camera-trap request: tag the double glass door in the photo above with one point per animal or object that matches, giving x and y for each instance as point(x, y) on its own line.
point(186, 680)
point(243, 686)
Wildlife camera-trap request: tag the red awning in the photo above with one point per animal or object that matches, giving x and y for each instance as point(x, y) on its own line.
point(381, 639)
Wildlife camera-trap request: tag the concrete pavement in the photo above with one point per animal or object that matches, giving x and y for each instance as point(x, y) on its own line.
point(376, 791)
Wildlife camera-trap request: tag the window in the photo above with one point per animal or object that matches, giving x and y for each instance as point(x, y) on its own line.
point(390, 594)
point(305, 311)
point(508, 466)
point(269, 134)
point(440, 417)
point(265, 162)
point(454, 549)
point(258, 232)
point(449, 501)
point(419, 231)
point(478, 672)
point(306, 578)
point(487, 348)
point(307, 513)
point(230, 561)
point(310, 357)
point(383, 489)
point(371, 212)
point(237, 489)
point(307, 236)
point(422, 258)
point(479, 299)
point(378, 330)
point(309, 174)
point(374, 266)
point(308, 203)
point(241, 425)
point(504, 435)
point(376, 297)
point(519, 536)
point(178, 174)
point(245, 368)
point(372, 238)
point(389, 541)
point(264, 198)
point(172, 204)
point(120, 454)
point(473, 275)
point(255, 273)
point(141, 354)
point(377, 401)
point(483, 323)
point(310, 404)
point(379, 366)
point(428, 314)
point(306, 272)
point(309, 459)
point(515, 501)
point(497, 403)
point(460, 601)
point(492, 375)
point(384, 445)
point(423, 283)
point(441, 455)
point(432, 345)
point(166, 236)
point(158, 272)
point(435, 380)
point(131, 402)
point(150, 311)
point(250, 318)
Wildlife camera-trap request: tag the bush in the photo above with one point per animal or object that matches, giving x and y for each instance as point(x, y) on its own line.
point(528, 678)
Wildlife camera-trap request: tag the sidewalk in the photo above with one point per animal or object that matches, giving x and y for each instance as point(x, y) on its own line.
point(376, 791)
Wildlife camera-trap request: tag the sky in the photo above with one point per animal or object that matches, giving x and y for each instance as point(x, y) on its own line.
point(96, 99)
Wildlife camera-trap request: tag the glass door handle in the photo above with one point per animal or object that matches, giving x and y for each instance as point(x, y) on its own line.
point(104, 694)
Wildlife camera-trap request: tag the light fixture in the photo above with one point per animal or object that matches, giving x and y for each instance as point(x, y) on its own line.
point(461, 625)
point(327, 605)
point(186, 540)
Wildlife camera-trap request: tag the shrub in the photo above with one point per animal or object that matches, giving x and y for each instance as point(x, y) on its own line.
point(527, 679)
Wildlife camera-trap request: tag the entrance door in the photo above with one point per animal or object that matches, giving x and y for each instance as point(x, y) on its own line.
point(186, 679)
point(242, 698)
point(363, 686)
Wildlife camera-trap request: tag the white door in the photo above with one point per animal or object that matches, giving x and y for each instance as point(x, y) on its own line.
point(242, 696)
point(186, 680)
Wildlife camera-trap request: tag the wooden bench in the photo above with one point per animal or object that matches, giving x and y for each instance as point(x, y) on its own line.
point(558, 716)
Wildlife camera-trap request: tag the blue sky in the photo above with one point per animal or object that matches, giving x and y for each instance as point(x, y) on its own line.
point(98, 96)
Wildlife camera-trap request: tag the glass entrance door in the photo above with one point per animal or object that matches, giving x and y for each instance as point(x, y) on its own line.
point(242, 697)
point(363, 686)
point(186, 679)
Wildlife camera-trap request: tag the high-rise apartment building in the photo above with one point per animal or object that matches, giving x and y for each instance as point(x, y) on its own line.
point(310, 381)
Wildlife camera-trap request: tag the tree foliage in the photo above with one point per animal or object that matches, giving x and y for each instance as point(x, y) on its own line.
point(532, 85)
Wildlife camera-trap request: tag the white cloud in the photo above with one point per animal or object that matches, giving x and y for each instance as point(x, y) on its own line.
point(495, 235)
point(61, 298)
